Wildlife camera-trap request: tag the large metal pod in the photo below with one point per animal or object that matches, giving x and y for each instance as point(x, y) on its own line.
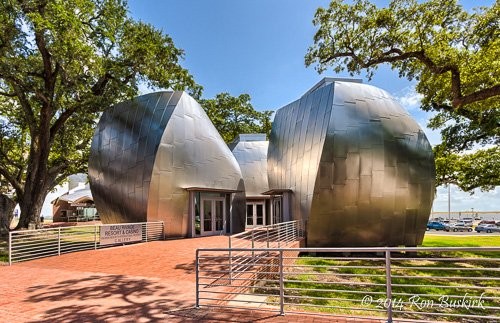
point(152, 156)
point(360, 168)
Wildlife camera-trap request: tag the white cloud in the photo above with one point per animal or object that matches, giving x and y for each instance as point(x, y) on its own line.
point(409, 98)
point(461, 201)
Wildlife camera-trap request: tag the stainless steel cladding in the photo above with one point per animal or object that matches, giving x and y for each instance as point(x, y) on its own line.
point(362, 171)
point(250, 150)
point(148, 153)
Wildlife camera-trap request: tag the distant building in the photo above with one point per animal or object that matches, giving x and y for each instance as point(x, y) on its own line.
point(74, 206)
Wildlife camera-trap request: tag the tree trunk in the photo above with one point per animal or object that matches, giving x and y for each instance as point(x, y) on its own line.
point(7, 206)
point(31, 206)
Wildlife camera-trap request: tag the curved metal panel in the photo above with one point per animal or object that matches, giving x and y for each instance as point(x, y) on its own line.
point(147, 151)
point(251, 153)
point(192, 153)
point(362, 170)
point(295, 147)
point(122, 155)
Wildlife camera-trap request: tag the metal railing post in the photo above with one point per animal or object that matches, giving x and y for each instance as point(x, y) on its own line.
point(388, 284)
point(10, 248)
point(282, 284)
point(253, 246)
point(197, 264)
point(59, 241)
point(279, 237)
point(163, 229)
point(230, 263)
point(286, 228)
point(95, 237)
point(267, 236)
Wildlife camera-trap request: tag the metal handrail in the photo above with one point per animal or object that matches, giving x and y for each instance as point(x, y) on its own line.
point(33, 244)
point(275, 235)
point(268, 236)
point(281, 280)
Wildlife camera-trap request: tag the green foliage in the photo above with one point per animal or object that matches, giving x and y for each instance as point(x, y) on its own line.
point(451, 53)
point(235, 115)
point(479, 169)
point(61, 64)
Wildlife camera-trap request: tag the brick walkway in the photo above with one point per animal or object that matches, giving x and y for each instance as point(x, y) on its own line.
point(145, 282)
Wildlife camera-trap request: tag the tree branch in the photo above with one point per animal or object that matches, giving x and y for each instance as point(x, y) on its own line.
point(60, 122)
point(8, 160)
point(98, 88)
point(55, 170)
point(477, 96)
point(10, 95)
point(46, 59)
point(13, 181)
point(458, 99)
point(25, 105)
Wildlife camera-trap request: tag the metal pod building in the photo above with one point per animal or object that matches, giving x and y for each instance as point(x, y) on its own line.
point(360, 171)
point(159, 157)
point(250, 150)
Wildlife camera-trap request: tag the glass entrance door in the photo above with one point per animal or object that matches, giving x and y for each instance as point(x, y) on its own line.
point(213, 215)
point(256, 214)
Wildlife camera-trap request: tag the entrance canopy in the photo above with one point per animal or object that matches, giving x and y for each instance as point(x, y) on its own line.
point(277, 191)
point(208, 189)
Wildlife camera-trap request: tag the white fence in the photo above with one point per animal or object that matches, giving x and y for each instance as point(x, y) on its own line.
point(32, 244)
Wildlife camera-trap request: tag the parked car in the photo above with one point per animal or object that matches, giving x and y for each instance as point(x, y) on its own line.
point(488, 228)
point(484, 222)
point(459, 226)
point(467, 222)
point(436, 226)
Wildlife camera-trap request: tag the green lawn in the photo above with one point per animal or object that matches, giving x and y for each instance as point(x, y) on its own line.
point(479, 240)
point(332, 285)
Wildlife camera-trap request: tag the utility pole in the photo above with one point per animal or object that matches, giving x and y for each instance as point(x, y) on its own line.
point(449, 203)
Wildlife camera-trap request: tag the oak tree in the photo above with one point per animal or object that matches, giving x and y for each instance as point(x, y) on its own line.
point(62, 62)
point(232, 116)
point(451, 53)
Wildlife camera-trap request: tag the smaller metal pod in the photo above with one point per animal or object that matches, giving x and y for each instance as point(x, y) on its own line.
point(155, 157)
point(250, 150)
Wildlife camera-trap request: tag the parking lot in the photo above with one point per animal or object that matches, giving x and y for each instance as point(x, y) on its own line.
point(451, 233)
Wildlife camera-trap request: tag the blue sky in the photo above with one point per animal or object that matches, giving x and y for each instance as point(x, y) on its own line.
point(258, 47)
